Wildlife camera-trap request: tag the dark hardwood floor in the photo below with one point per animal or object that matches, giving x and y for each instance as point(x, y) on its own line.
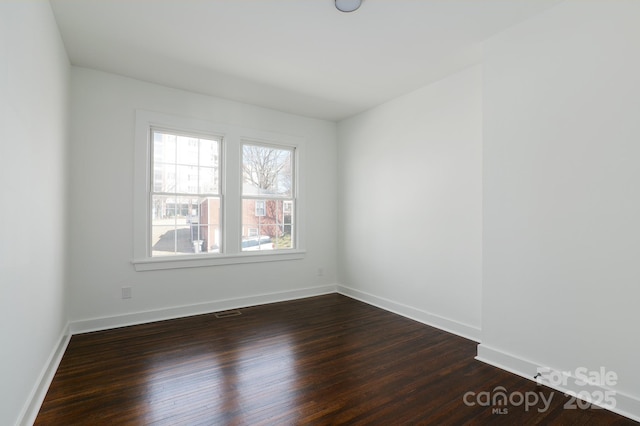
point(322, 360)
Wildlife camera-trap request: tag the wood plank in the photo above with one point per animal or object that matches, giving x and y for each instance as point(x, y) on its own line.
point(322, 360)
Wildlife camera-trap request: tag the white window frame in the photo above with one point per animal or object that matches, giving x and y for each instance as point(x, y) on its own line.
point(192, 190)
point(230, 189)
point(264, 198)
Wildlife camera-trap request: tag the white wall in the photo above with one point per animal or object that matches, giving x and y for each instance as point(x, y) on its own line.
point(101, 210)
point(561, 184)
point(34, 74)
point(410, 203)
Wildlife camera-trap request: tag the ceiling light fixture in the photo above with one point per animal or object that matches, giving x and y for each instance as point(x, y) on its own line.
point(348, 5)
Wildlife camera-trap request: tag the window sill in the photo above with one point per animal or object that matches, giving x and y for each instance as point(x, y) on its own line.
point(199, 261)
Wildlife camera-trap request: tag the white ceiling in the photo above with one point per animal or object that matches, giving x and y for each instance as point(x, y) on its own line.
point(298, 56)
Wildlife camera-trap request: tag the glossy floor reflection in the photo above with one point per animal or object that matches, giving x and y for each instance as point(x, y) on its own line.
point(322, 360)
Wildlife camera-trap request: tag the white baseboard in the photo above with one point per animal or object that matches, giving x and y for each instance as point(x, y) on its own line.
point(104, 323)
point(451, 326)
point(625, 405)
point(36, 397)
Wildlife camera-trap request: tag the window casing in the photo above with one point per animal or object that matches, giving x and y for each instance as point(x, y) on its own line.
point(170, 189)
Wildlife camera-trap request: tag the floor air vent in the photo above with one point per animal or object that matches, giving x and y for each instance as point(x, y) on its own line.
point(227, 314)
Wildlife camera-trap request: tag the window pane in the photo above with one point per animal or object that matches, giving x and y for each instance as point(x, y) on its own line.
point(163, 240)
point(267, 171)
point(187, 150)
point(187, 180)
point(164, 147)
point(208, 180)
point(265, 225)
point(185, 225)
point(208, 153)
point(249, 218)
point(185, 165)
point(164, 177)
point(170, 240)
point(162, 208)
point(209, 225)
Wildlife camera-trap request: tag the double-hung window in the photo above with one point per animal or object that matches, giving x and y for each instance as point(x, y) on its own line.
point(268, 188)
point(185, 198)
point(208, 194)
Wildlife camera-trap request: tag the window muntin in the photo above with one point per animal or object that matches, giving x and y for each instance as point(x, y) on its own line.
point(185, 196)
point(268, 177)
point(230, 139)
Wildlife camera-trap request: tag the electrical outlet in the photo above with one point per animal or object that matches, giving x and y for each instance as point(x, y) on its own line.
point(320, 272)
point(126, 292)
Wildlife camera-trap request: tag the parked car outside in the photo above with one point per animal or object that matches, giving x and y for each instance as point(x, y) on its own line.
point(257, 243)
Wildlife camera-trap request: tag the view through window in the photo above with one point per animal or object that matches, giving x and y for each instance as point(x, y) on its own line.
point(268, 197)
point(185, 194)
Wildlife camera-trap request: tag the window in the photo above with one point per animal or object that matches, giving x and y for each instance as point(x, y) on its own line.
point(185, 200)
point(260, 210)
point(208, 194)
point(268, 176)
